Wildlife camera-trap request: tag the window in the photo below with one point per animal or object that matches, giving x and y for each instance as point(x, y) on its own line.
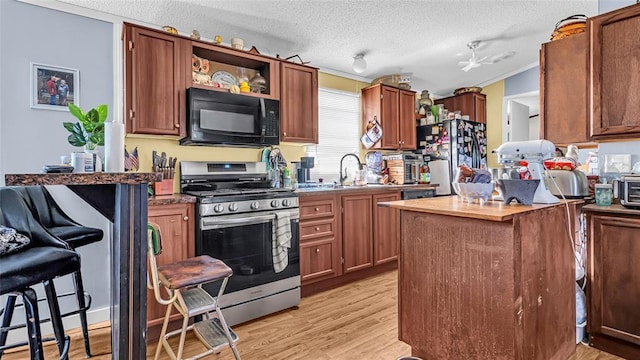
point(338, 132)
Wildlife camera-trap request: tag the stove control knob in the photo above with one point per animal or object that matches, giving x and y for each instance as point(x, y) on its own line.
point(233, 207)
point(275, 203)
point(218, 208)
point(255, 205)
point(285, 203)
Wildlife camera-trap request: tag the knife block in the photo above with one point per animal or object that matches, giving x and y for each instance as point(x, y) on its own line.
point(164, 187)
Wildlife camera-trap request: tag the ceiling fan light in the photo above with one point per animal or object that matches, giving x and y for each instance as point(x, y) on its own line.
point(359, 63)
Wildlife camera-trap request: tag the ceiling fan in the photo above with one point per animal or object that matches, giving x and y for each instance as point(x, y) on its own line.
point(476, 61)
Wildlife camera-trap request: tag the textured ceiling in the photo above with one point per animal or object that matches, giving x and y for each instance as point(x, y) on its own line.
point(423, 38)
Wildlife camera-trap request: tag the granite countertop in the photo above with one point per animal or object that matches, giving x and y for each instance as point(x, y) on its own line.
point(172, 199)
point(338, 188)
point(612, 209)
point(95, 178)
point(455, 206)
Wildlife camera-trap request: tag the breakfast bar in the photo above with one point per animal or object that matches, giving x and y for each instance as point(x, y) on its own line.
point(492, 281)
point(122, 198)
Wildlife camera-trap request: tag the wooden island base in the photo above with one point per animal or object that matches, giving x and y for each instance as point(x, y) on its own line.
point(486, 282)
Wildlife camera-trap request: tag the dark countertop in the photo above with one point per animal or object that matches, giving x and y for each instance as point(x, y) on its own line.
point(319, 191)
point(95, 178)
point(613, 209)
point(171, 199)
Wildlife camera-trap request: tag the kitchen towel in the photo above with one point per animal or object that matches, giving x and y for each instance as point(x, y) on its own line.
point(281, 241)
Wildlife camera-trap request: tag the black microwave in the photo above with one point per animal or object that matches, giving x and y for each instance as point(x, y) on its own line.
point(221, 118)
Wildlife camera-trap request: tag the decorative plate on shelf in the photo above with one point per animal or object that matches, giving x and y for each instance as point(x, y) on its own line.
point(224, 79)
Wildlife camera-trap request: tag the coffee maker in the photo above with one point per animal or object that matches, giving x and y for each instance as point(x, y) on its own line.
point(303, 169)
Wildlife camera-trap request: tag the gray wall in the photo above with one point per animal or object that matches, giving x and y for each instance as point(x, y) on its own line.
point(524, 82)
point(31, 138)
point(609, 5)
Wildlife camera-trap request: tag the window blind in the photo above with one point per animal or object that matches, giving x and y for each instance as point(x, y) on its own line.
point(338, 132)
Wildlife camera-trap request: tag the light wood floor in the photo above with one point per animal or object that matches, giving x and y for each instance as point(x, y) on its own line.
point(356, 321)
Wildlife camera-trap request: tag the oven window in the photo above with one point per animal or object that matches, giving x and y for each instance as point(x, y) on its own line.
point(247, 250)
point(217, 120)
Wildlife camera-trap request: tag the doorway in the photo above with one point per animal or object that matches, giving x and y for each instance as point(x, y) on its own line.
point(520, 117)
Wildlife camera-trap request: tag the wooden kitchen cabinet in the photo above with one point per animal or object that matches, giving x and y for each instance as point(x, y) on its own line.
point(564, 68)
point(394, 109)
point(357, 232)
point(472, 104)
point(177, 226)
point(155, 69)
point(386, 234)
point(613, 315)
point(614, 74)
point(320, 254)
point(298, 103)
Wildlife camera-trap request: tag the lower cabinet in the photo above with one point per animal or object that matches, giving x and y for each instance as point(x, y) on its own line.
point(320, 255)
point(386, 234)
point(357, 232)
point(613, 293)
point(177, 226)
point(345, 234)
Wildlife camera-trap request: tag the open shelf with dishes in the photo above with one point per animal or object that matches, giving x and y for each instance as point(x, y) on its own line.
point(215, 67)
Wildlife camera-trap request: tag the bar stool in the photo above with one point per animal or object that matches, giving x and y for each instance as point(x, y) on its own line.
point(49, 214)
point(42, 260)
point(182, 281)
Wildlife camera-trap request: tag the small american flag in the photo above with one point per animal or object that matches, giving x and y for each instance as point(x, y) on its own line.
point(135, 162)
point(127, 160)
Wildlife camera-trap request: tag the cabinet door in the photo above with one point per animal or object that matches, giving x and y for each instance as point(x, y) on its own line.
point(386, 234)
point(178, 243)
point(155, 82)
point(614, 282)
point(317, 260)
point(389, 117)
point(564, 90)
point(407, 122)
point(299, 103)
point(357, 237)
point(615, 78)
point(480, 107)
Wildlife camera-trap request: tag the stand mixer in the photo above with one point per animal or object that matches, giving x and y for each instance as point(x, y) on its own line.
point(534, 152)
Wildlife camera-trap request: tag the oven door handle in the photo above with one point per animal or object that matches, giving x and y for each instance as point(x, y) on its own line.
point(208, 224)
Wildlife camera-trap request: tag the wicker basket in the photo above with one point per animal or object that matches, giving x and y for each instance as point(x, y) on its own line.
point(572, 25)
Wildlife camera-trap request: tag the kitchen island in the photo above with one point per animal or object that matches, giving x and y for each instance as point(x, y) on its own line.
point(491, 281)
point(121, 198)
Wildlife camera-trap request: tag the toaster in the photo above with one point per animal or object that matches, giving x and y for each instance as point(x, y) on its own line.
point(571, 184)
point(628, 190)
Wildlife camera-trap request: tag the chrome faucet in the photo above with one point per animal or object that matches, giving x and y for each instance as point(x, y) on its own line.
point(343, 178)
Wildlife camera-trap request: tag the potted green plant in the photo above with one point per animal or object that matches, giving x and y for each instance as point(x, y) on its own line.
point(89, 131)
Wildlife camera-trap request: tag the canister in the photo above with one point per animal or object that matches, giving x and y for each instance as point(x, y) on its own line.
point(604, 193)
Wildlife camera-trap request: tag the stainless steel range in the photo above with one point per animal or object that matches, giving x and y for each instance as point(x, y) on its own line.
point(242, 220)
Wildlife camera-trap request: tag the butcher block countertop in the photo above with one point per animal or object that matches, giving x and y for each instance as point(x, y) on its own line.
point(455, 206)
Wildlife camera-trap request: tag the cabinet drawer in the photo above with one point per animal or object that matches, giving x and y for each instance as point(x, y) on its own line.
point(317, 209)
point(317, 260)
point(316, 229)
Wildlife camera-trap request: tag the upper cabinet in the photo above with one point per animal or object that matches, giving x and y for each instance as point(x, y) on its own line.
point(564, 116)
point(615, 74)
point(395, 111)
point(155, 84)
point(160, 67)
point(298, 103)
point(472, 104)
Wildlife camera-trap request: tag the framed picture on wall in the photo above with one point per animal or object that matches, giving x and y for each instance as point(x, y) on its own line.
point(54, 87)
